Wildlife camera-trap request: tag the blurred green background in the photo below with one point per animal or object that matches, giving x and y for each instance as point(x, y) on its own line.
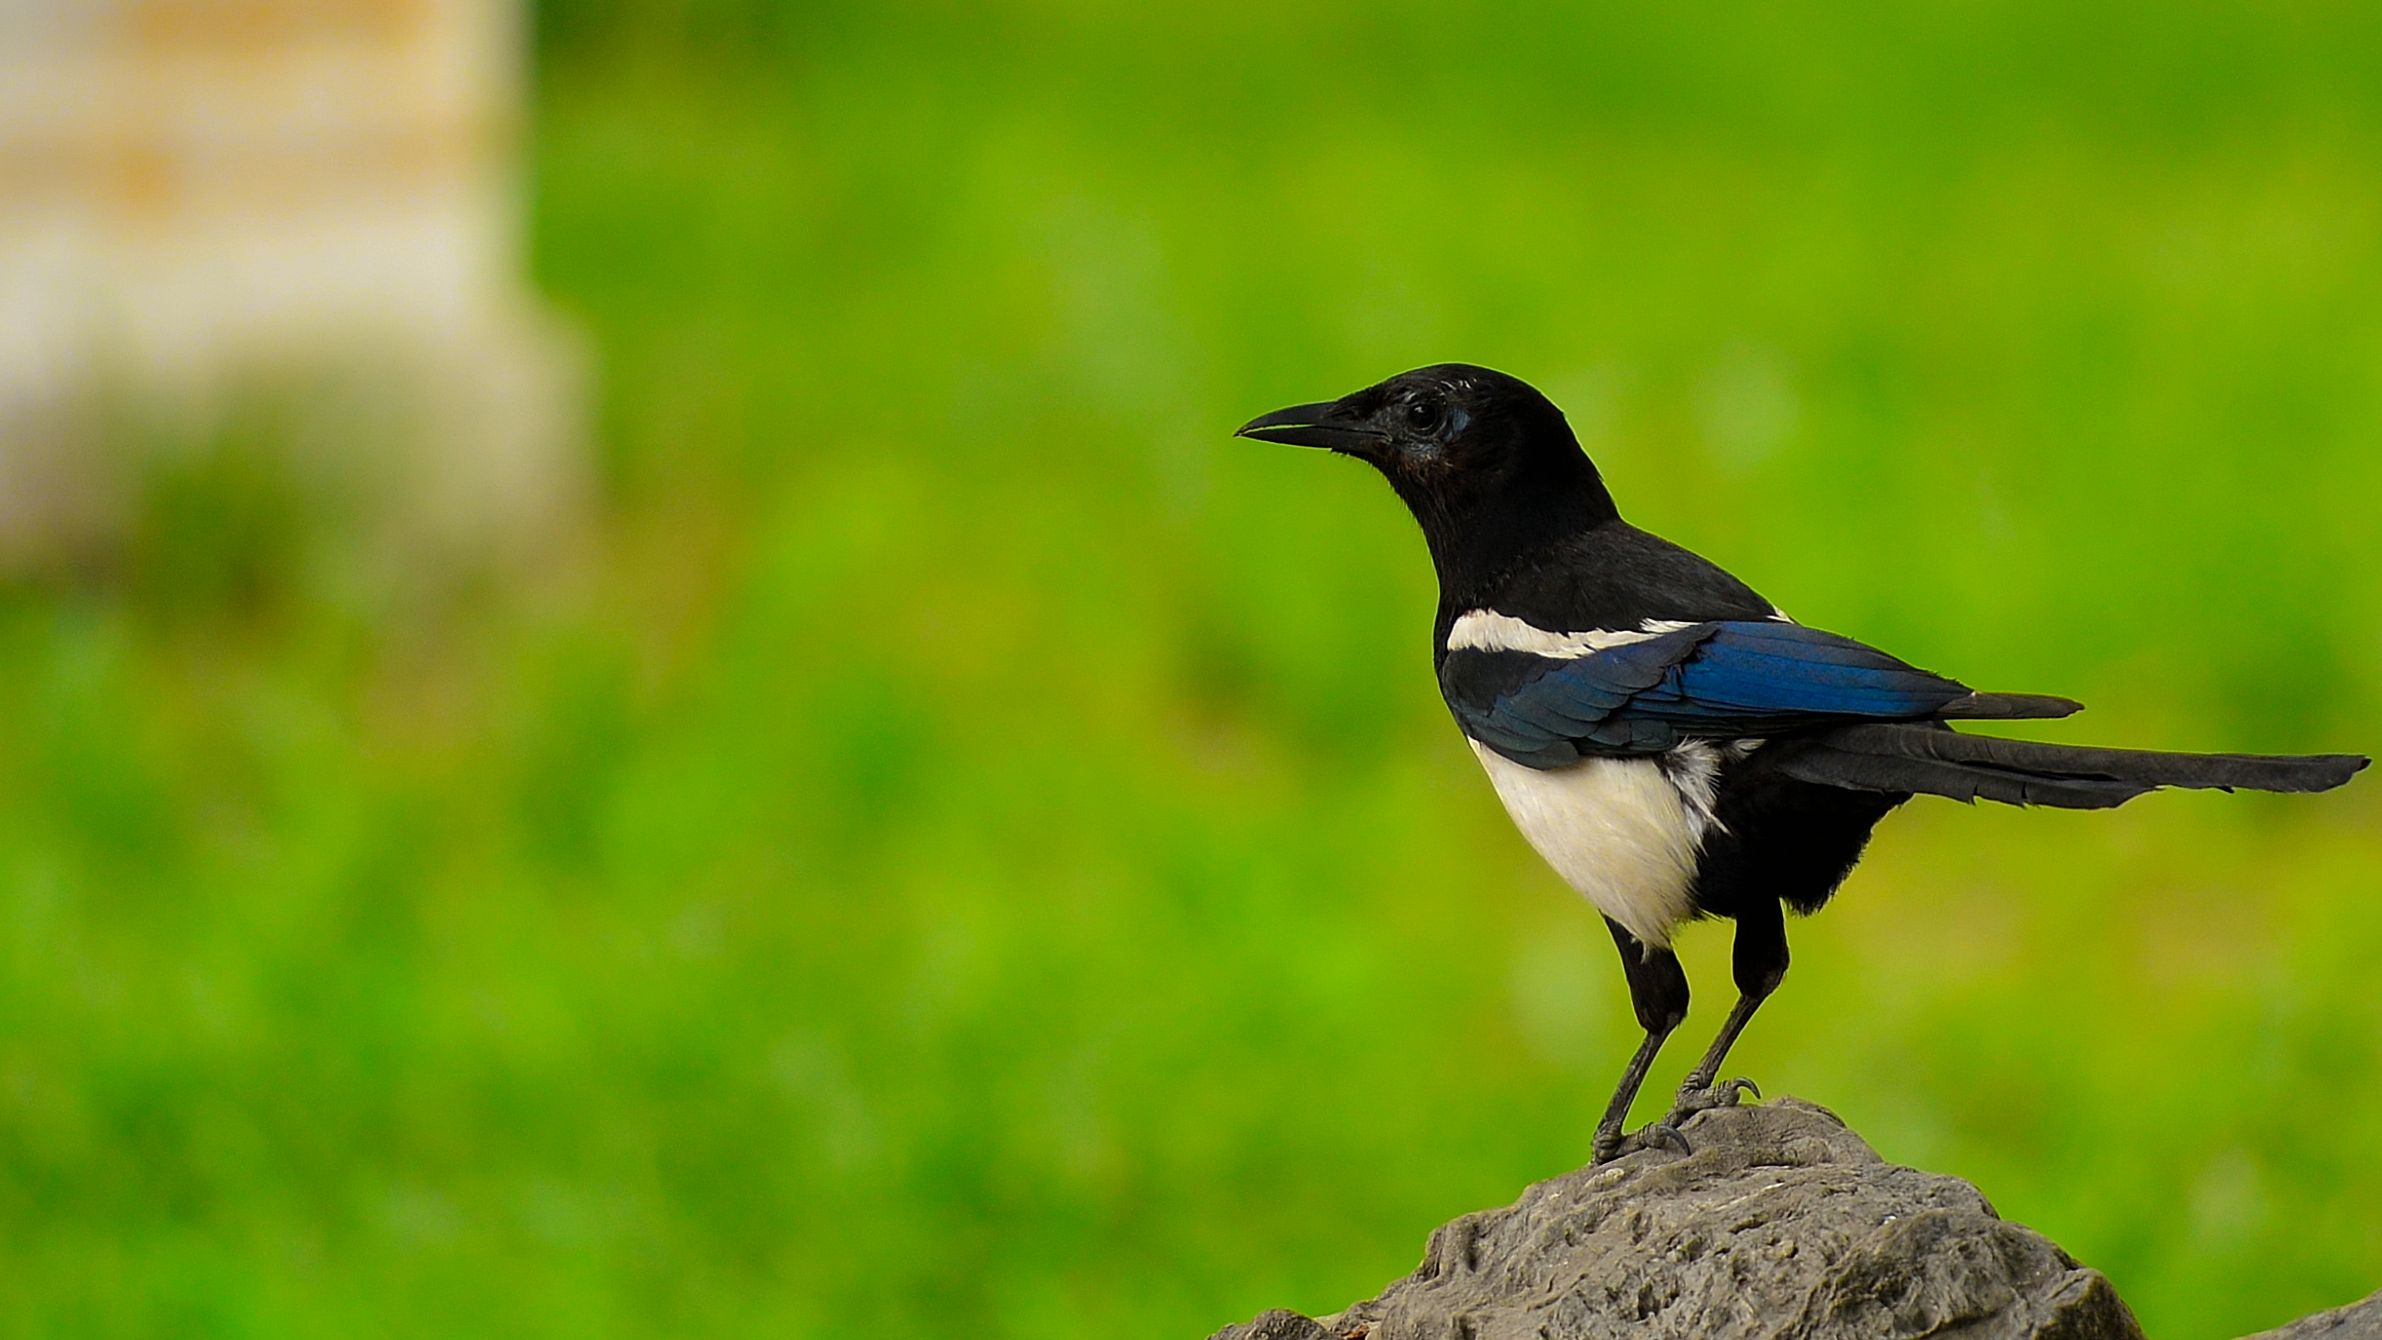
point(967, 848)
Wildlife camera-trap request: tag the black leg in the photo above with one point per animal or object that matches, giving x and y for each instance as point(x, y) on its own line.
point(1658, 991)
point(1760, 963)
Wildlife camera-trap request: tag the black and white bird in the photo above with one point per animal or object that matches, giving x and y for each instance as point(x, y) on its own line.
point(1669, 742)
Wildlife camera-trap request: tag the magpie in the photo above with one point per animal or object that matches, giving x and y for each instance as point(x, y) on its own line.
point(1667, 740)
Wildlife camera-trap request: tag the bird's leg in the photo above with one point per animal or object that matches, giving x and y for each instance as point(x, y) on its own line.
point(1658, 990)
point(1699, 1091)
point(1760, 963)
point(1608, 1131)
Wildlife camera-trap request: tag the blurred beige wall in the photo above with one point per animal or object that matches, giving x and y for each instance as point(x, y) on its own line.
point(197, 196)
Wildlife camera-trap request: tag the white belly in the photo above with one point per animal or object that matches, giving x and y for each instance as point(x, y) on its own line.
point(1616, 829)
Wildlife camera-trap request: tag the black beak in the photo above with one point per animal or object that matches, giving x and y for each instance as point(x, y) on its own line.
point(1322, 425)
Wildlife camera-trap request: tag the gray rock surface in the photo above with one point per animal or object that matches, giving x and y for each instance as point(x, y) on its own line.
point(2358, 1321)
point(1781, 1223)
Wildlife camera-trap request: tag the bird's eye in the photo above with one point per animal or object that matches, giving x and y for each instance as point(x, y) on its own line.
point(1424, 414)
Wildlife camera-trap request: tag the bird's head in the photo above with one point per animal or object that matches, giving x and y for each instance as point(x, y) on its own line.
point(1485, 462)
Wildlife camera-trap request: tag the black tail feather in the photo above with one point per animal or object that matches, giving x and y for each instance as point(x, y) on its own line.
point(2010, 707)
point(1937, 760)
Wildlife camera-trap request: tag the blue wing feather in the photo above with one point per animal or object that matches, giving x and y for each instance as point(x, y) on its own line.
point(1720, 680)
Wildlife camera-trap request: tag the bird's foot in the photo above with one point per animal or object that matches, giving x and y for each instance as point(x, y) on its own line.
point(1613, 1144)
point(1695, 1098)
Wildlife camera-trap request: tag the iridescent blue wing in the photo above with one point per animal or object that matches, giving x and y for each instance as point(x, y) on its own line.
point(1709, 681)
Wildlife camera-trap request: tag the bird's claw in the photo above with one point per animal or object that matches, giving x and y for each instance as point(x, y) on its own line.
point(1659, 1133)
point(1612, 1145)
point(1723, 1094)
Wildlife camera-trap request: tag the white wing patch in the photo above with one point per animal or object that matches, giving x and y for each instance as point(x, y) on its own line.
point(1487, 630)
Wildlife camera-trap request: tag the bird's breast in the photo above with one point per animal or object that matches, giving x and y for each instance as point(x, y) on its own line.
point(1624, 832)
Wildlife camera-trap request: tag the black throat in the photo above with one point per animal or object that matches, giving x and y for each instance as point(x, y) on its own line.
point(1482, 530)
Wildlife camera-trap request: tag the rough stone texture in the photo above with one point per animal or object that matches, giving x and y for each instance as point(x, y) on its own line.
point(1780, 1223)
point(2358, 1321)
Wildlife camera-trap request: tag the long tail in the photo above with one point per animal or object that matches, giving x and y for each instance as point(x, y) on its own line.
point(1939, 761)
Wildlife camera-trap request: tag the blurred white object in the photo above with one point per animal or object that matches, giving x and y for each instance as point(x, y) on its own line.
point(198, 194)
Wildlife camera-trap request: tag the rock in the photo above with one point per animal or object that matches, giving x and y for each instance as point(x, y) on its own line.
point(1781, 1223)
point(2358, 1321)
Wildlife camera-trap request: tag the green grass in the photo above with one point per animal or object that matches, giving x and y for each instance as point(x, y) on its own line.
point(971, 849)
